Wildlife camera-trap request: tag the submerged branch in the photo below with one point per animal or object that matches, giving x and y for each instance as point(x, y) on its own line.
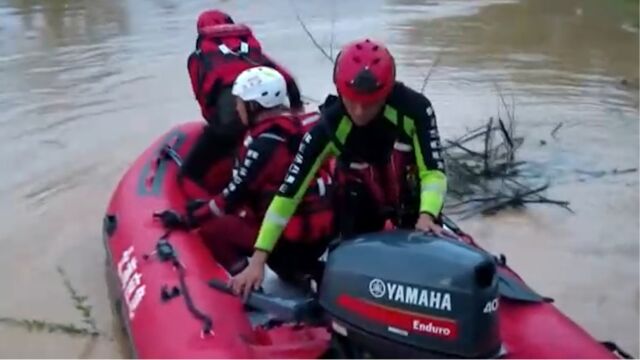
point(483, 174)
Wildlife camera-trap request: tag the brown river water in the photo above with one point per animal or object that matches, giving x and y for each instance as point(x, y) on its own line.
point(85, 85)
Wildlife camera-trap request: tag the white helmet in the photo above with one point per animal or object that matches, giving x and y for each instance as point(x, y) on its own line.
point(262, 84)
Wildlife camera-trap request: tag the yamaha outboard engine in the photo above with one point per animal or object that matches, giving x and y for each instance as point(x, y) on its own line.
point(409, 294)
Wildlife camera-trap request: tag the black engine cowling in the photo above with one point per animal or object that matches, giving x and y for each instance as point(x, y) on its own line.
point(407, 294)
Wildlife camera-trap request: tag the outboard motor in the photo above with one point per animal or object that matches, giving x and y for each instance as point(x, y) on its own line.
point(410, 294)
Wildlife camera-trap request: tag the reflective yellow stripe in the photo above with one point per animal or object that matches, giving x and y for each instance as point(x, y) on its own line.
point(282, 208)
point(431, 203)
point(433, 183)
point(437, 187)
point(433, 186)
point(275, 220)
point(344, 128)
point(419, 157)
point(268, 232)
point(409, 126)
point(391, 114)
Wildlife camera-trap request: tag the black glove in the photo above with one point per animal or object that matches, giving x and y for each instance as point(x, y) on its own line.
point(197, 212)
point(172, 220)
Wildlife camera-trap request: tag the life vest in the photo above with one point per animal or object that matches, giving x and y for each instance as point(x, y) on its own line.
point(313, 219)
point(221, 53)
point(394, 186)
point(407, 184)
point(393, 183)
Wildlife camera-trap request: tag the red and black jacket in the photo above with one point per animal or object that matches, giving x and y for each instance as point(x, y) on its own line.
point(222, 52)
point(263, 160)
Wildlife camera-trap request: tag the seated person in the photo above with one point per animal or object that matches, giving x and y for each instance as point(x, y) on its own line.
point(223, 50)
point(268, 150)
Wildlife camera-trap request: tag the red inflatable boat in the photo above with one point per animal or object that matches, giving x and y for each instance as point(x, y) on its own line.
point(169, 309)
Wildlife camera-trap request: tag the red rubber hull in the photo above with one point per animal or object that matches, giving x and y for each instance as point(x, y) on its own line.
point(540, 330)
point(167, 329)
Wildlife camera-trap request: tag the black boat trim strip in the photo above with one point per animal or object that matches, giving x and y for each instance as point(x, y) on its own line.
point(614, 348)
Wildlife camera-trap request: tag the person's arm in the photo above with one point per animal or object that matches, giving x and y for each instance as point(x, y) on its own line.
point(248, 174)
point(193, 68)
point(314, 149)
point(429, 160)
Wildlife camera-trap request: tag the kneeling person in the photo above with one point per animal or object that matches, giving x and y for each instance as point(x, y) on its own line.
point(362, 126)
point(268, 149)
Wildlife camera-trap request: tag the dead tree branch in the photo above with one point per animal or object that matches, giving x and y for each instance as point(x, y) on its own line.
point(485, 176)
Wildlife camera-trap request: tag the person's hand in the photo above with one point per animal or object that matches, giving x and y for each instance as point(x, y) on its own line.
point(198, 211)
point(427, 223)
point(251, 277)
point(172, 220)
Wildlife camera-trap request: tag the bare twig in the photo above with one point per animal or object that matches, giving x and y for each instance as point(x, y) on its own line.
point(510, 116)
point(513, 110)
point(430, 71)
point(468, 151)
point(333, 24)
point(306, 30)
point(555, 130)
point(489, 177)
point(624, 171)
point(516, 200)
point(487, 145)
point(481, 199)
point(508, 138)
point(505, 133)
point(472, 134)
point(601, 173)
point(563, 204)
point(540, 198)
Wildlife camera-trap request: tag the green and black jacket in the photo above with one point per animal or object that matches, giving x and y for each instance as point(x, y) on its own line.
point(407, 117)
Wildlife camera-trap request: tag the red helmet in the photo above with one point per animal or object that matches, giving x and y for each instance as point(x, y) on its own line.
point(364, 72)
point(212, 18)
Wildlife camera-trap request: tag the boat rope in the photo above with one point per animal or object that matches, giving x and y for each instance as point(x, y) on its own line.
point(207, 323)
point(165, 252)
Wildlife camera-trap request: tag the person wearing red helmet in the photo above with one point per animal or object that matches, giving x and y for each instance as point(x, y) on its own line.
point(212, 18)
point(373, 116)
point(223, 50)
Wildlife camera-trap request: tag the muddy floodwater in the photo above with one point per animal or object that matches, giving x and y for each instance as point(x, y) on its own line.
point(85, 85)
